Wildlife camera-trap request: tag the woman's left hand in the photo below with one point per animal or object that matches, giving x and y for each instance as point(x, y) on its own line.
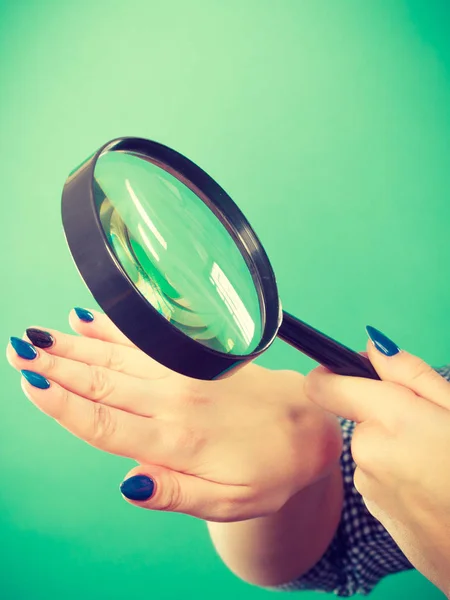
point(401, 447)
point(226, 451)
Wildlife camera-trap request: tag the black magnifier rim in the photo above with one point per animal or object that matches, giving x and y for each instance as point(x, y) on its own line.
point(117, 295)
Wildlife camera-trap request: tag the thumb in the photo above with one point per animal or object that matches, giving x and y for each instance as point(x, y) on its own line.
point(157, 488)
point(397, 366)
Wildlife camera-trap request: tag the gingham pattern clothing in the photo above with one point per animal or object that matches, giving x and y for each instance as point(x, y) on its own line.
point(362, 552)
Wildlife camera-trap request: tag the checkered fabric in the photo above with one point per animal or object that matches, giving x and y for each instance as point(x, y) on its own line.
point(362, 552)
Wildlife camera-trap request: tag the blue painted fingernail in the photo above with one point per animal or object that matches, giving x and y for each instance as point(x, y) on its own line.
point(23, 348)
point(84, 315)
point(36, 380)
point(382, 342)
point(138, 487)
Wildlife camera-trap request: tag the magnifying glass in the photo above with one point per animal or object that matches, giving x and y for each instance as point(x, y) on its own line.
point(174, 263)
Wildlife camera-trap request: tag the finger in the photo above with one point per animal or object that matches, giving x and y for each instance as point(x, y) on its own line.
point(368, 488)
point(371, 493)
point(372, 450)
point(92, 351)
point(356, 398)
point(111, 429)
point(362, 483)
point(106, 428)
point(407, 370)
point(131, 394)
point(157, 488)
point(94, 324)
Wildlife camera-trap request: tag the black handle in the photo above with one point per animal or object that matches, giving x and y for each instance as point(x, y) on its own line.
point(323, 349)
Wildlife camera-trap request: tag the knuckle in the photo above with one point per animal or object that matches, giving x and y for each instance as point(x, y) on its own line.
point(60, 408)
point(314, 382)
point(371, 507)
point(310, 384)
point(361, 447)
point(359, 481)
point(67, 342)
point(50, 363)
point(172, 500)
point(421, 371)
point(114, 358)
point(188, 440)
point(399, 420)
point(234, 504)
point(103, 424)
point(100, 384)
point(190, 394)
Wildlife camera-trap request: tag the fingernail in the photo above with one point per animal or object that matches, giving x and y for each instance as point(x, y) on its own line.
point(22, 348)
point(36, 380)
point(40, 338)
point(382, 342)
point(84, 315)
point(138, 487)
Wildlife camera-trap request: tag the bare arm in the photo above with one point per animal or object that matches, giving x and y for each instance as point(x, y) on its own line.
point(272, 550)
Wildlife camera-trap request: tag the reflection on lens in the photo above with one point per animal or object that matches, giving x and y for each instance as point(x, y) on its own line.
point(178, 254)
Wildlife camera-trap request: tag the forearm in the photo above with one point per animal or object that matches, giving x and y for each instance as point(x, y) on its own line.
point(272, 550)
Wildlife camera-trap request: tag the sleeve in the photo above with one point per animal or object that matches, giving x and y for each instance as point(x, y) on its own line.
point(362, 551)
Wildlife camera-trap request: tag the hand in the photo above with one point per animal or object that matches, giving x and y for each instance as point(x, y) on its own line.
point(401, 446)
point(223, 450)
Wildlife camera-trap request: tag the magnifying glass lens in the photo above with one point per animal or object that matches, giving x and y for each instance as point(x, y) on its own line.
point(177, 253)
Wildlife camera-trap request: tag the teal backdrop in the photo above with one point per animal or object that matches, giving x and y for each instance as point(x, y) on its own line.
point(328, 122)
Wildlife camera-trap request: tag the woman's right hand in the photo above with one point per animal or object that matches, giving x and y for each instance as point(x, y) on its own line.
point(223, 450)
point(401, 447)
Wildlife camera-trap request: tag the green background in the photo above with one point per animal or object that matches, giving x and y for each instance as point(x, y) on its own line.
point(327, 121)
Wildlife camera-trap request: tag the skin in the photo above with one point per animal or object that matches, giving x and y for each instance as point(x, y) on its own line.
point(401, 446)
point(250, 454)
point(256, 455)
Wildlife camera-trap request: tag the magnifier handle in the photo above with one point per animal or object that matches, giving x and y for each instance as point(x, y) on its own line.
point(323, 349)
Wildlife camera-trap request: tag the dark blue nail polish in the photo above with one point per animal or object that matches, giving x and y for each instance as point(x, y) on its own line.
point(36, 380)
point(23, 348)
point(382, 342)
point(138, 487)
point(39, 338)
point(84, 315)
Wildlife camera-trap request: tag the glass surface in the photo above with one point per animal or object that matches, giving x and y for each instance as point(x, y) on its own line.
point(178, 254)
